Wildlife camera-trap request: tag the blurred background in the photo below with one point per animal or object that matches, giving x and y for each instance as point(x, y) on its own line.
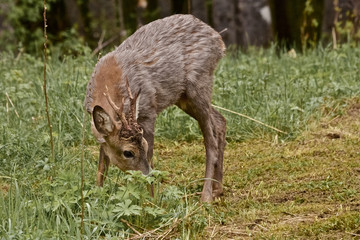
point(74, 25)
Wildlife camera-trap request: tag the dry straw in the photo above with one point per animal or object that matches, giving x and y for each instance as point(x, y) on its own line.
point(7, 108)
point(44, 87)
point(252, 119)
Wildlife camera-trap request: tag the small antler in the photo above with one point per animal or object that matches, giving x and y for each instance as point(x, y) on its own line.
point(131, 122)
point(132, 111)
point(118, 110)
point(128, 88)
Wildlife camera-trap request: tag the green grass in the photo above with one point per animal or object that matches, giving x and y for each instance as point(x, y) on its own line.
point(304, 184)
point(274, 88)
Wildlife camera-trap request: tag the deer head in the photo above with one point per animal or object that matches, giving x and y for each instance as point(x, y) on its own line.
point(124, 142)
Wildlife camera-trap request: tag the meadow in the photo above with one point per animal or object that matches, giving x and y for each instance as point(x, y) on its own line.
point(301, 184)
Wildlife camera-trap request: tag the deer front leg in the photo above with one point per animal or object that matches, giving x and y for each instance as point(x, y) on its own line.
point(148, 125)
point(102, 167)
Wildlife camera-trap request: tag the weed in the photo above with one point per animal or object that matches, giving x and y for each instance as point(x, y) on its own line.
point(298, 185)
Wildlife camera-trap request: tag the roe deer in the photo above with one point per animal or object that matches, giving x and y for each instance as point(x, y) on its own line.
point(166, 62)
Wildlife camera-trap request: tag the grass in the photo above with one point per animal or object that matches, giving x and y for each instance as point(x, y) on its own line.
point(307, 188)
point(303, 185)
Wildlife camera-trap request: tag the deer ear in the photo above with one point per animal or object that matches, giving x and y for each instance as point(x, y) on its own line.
point(102, 121)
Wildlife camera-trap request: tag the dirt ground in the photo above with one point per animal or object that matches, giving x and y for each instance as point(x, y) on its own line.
point(308, 188)
point(305, 189)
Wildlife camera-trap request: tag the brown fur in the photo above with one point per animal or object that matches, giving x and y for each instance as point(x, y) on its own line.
point(171, 61)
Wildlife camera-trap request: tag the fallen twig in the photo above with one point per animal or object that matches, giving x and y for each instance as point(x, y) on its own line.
point(131, 227)
point(102, 45)
point(7, 95)
point(252, 119)
point(213, 233)
point(222, 31)
point(353, 234)
point(44, 86)
point(82, 172)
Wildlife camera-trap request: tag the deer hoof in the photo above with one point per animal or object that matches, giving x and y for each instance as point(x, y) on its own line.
point(206, 197)
point(217, 193)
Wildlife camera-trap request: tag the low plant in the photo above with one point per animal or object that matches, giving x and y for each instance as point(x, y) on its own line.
point(42, 199)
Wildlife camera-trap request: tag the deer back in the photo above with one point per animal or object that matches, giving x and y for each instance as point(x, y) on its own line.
point(159, 58)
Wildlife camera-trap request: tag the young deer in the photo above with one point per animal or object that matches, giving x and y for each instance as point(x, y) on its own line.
point(166, 62)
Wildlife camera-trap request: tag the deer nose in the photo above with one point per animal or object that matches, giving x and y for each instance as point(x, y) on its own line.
point(146, 169)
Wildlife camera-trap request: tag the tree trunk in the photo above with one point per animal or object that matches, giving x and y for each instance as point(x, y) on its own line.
point(101, 19)
point(336, 14)
point(165, 7)
point(248, 22)
point(224, 18)
point(255, 28)
point(5, 25)
point(74, 15)
point(286, 21)
point(356, 20)
point(198, 9)
point(121, 19)
point(328, 19)
point(140, 9)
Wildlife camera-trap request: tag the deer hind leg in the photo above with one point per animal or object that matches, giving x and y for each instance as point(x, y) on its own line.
point(219, 132)
point(200, 109)
point(103, 167)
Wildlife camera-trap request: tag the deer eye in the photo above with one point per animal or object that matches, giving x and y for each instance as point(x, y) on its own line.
point(128, 154)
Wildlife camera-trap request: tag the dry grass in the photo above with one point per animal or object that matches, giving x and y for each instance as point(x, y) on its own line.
point(304, 185)
point(305, 189)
